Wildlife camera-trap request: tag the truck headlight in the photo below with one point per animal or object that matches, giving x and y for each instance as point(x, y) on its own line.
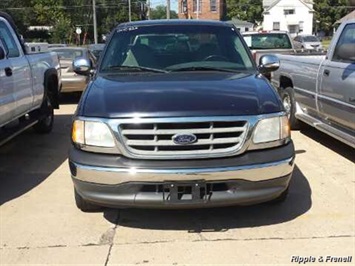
point(271, 129)
point(92, 133)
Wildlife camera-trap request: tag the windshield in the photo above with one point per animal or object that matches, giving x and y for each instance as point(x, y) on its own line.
point(176, 47)
point(310, 39)
point(68, 53)
point(268, 41)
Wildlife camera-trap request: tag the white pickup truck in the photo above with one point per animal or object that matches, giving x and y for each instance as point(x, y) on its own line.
point(269, 42)
point(29, 85)
point(320, 90)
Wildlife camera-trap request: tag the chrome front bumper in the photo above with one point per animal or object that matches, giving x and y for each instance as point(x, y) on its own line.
point(117, 176)
point(114, 181)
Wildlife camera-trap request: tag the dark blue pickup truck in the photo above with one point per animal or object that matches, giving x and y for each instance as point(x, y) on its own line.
point(178, 115)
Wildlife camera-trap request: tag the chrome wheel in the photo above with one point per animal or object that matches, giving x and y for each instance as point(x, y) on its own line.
point(287, 105)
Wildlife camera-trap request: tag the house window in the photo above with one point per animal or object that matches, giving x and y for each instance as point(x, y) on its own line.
point(183, 7)
point(289, 11)
point(293, 28)
point(246, 29)
point(194, 6)
point(301, 25)
point(213, 5)
point(276, 26)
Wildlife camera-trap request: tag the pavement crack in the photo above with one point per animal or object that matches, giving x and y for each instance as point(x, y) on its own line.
point(148, 242)
point(273, 238)
point(42, 247)
point(108, 237)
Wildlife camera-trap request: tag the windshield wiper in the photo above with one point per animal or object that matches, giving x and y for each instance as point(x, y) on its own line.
point(202, 68)
point(136, 68)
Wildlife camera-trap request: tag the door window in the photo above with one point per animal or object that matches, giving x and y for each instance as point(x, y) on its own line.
point(8, 40)
point(347, 38)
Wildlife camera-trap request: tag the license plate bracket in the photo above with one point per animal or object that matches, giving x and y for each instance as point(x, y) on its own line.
point(176, 192)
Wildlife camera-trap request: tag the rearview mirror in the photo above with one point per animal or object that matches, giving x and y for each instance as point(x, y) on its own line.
point(82, 66)
point(268, 63)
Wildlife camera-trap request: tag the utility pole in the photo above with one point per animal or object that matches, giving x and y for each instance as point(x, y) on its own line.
point(198, 8)
point(129, 11)
point(94, 17)
point(168, 9)
point(148, 9)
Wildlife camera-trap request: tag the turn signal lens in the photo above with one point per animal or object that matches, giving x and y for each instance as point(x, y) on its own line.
point(285, 128)
point(78, 132)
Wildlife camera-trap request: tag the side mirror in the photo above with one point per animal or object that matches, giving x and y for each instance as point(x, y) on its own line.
point(2, 53)
point(82, 66)
point(268, 63)
point(346, 52)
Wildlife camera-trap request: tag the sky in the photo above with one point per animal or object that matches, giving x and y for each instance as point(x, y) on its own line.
point(173, 3)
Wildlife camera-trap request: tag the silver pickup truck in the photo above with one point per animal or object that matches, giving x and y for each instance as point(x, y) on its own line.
point(269, 42)
point(320, 90)
point(29, 85)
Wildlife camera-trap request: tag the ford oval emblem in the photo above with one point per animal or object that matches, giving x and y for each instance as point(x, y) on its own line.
point(184, 139)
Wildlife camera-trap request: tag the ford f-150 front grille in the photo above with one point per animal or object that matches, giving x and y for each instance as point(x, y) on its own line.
point(211, 138)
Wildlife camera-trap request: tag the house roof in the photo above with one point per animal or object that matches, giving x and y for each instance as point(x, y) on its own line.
point(349, 16)
point(238, 22)
point(268, 4)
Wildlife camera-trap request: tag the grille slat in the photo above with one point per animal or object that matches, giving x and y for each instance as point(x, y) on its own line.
point(180, 131)
point(171, 143)
point(156, 139)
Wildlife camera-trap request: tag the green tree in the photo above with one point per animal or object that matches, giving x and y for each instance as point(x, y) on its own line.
point(159, 12)
point(47, 12)
point(61, 31)
point(248, 10)
point(327, 12)
point(65, 15)
point(15, 8)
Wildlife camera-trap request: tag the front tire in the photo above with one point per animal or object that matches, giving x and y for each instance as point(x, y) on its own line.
point(289, 103)
point(46, 117)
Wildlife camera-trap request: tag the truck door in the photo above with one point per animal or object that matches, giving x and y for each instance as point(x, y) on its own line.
point(337, 88)
point(18, 71)
point(7, 101)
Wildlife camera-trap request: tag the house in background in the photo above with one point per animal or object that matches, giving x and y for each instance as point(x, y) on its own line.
point(294, 16)
point(241, 25)
point(207, 9)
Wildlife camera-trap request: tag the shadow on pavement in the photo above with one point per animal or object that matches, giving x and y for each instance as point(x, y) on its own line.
point(220, 219)
point(329, 142)
point(27, 160)
point(70, 98)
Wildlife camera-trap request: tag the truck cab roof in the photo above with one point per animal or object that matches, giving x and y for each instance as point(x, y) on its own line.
point(173, 22)
point(264, 32)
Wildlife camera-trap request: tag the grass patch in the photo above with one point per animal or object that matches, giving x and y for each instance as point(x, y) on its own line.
point(326, 44)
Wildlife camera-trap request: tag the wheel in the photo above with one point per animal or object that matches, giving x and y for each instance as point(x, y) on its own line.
point(281, 198)
point(84, 205)
point(46, 114)
point(215, 57)
point(289, 103)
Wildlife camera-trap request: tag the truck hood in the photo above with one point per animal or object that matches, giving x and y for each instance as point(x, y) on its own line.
point(178, 94)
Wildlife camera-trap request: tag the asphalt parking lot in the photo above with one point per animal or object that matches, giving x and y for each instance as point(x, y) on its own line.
point(40, 223)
